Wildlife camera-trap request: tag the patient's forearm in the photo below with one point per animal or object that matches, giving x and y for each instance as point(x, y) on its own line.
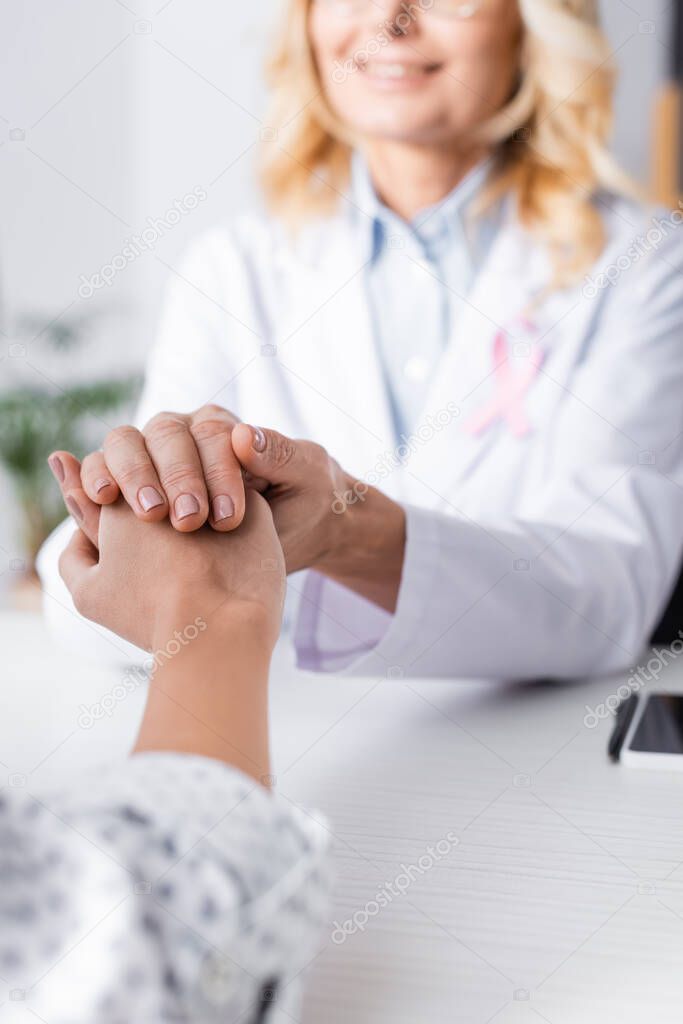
point(211, 696)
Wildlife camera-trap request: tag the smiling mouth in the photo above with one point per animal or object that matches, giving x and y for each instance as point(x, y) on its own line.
point(396, 71)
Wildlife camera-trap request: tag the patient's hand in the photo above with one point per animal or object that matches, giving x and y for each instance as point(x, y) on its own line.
point(147, 579)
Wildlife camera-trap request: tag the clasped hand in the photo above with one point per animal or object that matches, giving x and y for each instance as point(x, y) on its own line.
point(202, 474)
point(131, 573)
point(195, 469)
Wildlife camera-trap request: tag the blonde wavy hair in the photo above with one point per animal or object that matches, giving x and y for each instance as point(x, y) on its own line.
point(549, 142)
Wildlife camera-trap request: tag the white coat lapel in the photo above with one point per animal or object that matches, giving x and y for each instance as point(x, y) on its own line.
point(327, 350)
point(514, 273)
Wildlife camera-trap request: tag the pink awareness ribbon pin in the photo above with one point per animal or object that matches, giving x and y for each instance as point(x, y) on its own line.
point(511, 386)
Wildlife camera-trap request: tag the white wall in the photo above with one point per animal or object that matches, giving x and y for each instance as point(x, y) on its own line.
point(201, 104)
point(110, 112)
point(65, 168)
point(127, 107)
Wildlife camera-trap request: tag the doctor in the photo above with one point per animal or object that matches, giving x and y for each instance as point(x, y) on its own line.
point(478, 336)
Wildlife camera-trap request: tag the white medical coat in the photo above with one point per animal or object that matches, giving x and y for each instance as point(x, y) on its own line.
point(547, 554)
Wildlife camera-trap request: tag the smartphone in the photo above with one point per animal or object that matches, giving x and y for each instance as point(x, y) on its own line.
point(655, 736)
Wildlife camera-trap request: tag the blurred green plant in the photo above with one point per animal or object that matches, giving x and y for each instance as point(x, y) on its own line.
point(34, 421)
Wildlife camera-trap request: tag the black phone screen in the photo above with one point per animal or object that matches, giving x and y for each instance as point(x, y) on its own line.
point(660, 728)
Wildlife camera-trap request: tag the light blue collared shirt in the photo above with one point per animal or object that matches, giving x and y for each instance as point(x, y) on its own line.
point(417, 279)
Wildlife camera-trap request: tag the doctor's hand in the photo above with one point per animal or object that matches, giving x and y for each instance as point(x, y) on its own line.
point(325, 518)
point(180, 466)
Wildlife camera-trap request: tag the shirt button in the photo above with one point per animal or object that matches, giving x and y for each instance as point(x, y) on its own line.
point(416, 369)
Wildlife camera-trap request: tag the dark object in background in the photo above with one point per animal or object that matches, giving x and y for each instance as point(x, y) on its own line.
point(668, 183)
point(671, 622)
point(677, 35)
point(667, 139)
point(622, 721)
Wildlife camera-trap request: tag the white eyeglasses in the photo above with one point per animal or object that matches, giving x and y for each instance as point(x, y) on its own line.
point(442, 8)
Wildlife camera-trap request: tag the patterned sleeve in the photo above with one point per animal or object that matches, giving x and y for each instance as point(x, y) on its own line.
point(167, 888)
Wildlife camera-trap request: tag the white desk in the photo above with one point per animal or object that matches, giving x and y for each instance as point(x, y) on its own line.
point(566, 885)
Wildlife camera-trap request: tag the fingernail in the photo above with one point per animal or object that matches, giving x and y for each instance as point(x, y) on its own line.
point(74, 508)
point(223, 507)
point(101, 484)
point(186, 505)
point(259, 440)
point(149, 497)
point(55, 464)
